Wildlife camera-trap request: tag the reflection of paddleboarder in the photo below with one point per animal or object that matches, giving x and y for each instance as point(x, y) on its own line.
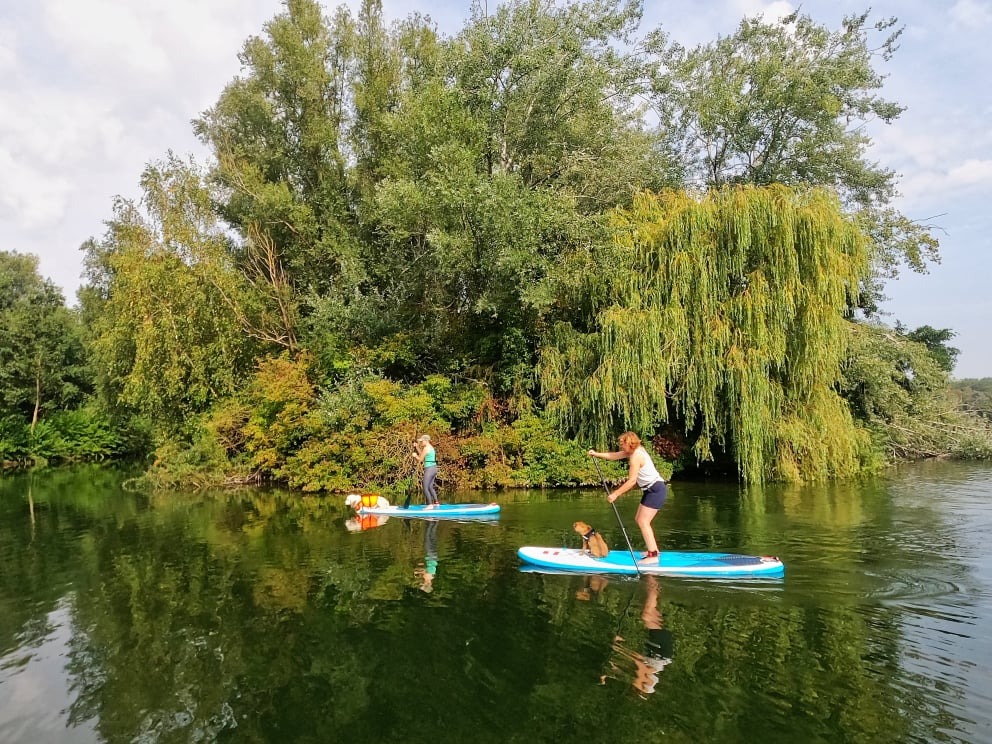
point(659, 648)
point(426, 574)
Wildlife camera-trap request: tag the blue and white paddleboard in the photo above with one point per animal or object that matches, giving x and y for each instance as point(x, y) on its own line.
point(441, 511)
point(670, 563)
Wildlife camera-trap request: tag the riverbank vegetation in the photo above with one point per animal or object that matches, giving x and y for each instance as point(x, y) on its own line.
point(522, 239)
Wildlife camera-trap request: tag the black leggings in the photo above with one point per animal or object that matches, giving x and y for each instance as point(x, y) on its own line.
point(430, 489)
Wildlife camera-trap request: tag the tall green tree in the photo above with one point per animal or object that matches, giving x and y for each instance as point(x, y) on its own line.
point(166, 335)
point(42, 359)
point(507, 141)
point(727, 320)
point(559, 98)
point(278, 134)
point(376, 88)
point(897, 385)
point(791, 102)
point(935, 339)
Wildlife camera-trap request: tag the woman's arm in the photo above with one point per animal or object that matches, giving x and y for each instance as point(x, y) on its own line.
point(635, 465)
point(607, 455)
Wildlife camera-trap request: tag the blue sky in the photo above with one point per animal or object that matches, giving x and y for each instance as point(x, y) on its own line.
point(91, 90)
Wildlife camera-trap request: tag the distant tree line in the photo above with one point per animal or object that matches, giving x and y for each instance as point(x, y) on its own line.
point(975, 395)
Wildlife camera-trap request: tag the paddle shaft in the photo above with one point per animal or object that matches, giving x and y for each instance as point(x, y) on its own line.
point(619, 521)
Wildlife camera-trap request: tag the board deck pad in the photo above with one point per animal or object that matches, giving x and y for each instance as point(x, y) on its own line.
point(670, 563)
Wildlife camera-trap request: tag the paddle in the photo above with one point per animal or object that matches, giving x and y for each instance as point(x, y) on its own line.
point(413, 482)
point(620, 521)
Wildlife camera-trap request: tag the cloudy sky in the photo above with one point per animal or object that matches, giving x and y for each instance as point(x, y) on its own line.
point(91, 90)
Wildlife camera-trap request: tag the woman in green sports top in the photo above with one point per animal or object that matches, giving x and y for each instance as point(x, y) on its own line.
point(428, 458)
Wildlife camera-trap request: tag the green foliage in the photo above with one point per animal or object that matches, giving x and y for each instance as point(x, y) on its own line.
point(359, 434)
point(280, 402)
point(277, 133)
point(42, 359)
point(555, 90)
point(195, 463)
point(166, 342)
point(15, 437)
point(76, 435)
point(81, 435)
point(975, 396)
point(898, 388)
point(790, 102)
point(935, 339)
point(438, 235)
point(726, 312)
point(545, 459)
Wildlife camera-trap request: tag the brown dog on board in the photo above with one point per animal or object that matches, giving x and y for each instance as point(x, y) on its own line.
point(592, 541)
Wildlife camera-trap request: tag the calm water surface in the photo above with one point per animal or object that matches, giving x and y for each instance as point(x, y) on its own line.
point(265, 617)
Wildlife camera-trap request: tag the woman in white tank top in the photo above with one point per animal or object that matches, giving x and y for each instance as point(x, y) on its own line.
point(644, 474)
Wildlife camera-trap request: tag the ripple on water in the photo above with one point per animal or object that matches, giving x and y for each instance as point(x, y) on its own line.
point(901, 587)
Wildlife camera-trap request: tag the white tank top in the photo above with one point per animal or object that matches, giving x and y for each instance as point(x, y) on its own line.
point(648, 474)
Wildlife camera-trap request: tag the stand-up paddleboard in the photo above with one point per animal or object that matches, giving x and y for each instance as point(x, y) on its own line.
point(670, 563)
point(441, 511)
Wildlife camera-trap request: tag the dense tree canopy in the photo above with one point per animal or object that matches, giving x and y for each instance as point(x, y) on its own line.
point(935, 339)
point(576, 224)
point(42, 360)
point(730, 316)
point(791, 102)
point(166, 338)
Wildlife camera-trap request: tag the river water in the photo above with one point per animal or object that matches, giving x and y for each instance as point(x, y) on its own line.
point(265, 616)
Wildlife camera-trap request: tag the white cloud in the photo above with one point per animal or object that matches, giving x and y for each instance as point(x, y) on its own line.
point(50, 139)
point(8, 50)
point(944, 158)
point(971, 14)
point(29, 196)
point(770, 11)
point(972, 172)
point(108, 38)
point(90, 91)
point(185, 49)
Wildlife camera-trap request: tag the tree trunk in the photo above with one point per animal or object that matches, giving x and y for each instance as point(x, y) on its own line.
point(37, 395)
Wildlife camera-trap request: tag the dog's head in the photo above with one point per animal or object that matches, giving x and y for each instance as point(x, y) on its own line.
point(354, 500)
point(581, 527)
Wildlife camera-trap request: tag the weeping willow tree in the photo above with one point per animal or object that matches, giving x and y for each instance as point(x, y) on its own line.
point(724, 314)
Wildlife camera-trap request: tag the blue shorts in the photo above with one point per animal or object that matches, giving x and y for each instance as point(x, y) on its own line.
point(655, 495)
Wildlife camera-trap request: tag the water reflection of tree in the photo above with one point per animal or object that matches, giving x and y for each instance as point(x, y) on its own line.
point(258, 611)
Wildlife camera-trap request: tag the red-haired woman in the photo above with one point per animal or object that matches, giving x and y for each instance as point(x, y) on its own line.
point(642, 473)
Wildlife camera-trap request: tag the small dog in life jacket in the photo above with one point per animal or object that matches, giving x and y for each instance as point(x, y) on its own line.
point(363, 521)
point(357, 500)
point(592, 541)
